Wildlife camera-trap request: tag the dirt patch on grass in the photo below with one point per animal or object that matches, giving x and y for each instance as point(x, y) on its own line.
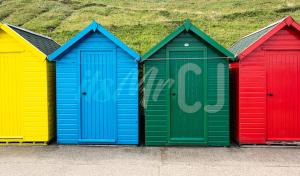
point(288, 9)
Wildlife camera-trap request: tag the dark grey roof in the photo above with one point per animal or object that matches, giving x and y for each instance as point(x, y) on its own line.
point(248, 40)
point(43, 43)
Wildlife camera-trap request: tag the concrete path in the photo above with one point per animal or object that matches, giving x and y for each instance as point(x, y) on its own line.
point(56, 160)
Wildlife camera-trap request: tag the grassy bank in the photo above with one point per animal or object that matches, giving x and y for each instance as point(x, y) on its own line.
point(141, 24)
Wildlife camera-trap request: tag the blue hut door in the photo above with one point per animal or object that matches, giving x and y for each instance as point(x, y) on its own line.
point(98, 96)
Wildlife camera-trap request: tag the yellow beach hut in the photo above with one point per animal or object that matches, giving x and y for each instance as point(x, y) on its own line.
point(27, 87)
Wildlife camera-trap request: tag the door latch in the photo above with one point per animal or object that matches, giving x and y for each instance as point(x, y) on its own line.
point(270, 94)
point(83, 93)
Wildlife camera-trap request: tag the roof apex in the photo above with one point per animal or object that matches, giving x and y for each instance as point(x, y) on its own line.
point(248, 43)
point(93, 26)
point(187, 24)
point(289, 20)
point(43, 44)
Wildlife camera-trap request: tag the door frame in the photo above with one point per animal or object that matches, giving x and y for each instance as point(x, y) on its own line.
point(267, 62)
point(266, 53)
point(80, 139)
point(168, 97)
point(21, 119)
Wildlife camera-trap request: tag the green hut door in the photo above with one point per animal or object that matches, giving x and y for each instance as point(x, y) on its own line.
point(187, 118)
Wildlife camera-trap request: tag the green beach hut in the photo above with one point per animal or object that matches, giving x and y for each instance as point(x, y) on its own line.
point(186, 90)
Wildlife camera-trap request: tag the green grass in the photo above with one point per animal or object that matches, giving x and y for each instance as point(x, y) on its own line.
point(141, 24)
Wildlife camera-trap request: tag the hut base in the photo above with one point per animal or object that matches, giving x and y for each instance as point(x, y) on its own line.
point(272, 144)
point(16, 142)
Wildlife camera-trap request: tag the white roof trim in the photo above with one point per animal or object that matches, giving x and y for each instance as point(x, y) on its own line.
point(26, 30)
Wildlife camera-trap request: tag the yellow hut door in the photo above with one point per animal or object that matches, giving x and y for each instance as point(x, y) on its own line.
point(11, 96)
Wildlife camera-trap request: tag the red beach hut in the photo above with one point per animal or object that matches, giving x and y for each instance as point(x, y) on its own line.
point(265, 85)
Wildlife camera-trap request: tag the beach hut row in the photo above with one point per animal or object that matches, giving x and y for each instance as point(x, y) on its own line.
point(186, 90)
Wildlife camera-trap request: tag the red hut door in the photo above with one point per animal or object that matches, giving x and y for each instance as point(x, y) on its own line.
point(283, 96)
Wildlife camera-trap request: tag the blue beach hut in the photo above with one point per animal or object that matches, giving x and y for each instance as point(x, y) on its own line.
point(96, 89)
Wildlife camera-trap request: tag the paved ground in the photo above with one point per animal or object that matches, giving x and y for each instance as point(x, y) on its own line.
point(56, 160)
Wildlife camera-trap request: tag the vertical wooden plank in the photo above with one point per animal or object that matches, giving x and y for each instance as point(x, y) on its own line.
point(105, 100)
point(113, 108)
